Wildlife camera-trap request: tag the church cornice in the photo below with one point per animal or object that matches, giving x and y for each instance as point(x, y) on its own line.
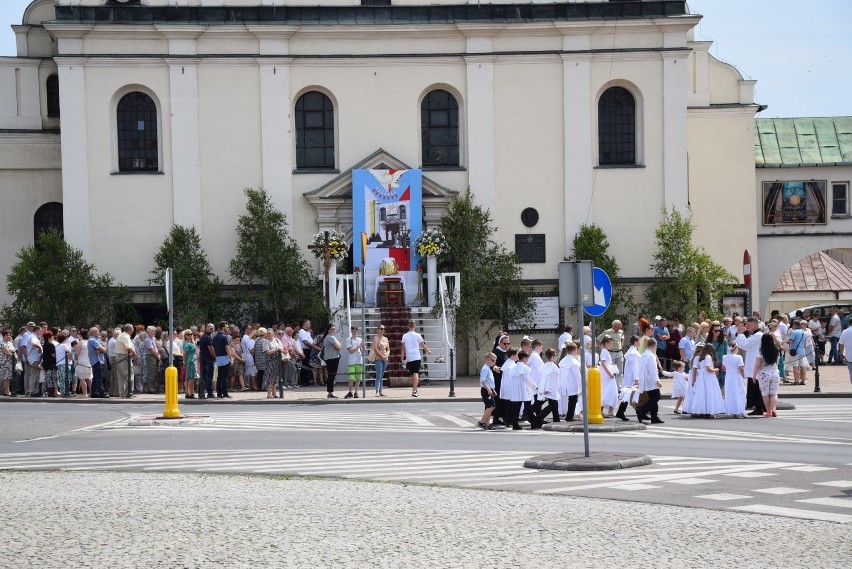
point(509, 14)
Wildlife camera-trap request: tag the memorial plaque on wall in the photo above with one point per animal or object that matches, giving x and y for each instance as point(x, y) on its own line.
point(529, 247)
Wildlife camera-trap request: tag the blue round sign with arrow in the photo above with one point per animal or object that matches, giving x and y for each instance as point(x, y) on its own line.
point(602, 293)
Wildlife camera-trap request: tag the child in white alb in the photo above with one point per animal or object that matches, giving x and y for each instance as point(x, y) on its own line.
point(680, 383)
point(735, 389)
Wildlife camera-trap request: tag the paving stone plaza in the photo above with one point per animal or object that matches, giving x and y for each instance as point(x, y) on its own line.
point(97, 519)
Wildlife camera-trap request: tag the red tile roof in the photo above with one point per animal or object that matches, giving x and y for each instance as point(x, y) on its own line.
point(817, 272)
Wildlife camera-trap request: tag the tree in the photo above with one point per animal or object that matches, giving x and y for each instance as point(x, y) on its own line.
point(267, 255)
point(591, 244)
point(51, 281)
point(197, 291)
point(492, 293)
point(688, 280)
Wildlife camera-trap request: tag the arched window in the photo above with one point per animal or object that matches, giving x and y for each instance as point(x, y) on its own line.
point(617, 127)
point(439, 129)
point(48, 216)
point(314, 131)
point(137, 133)
point(52, 89)
point(402, 212)
point(383, 214)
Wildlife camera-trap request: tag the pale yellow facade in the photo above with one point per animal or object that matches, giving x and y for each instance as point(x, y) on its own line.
point(527, 96)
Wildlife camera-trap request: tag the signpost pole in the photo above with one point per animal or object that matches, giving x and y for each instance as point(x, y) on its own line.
point(747, 282)
point(582, 360)
point(364, 311)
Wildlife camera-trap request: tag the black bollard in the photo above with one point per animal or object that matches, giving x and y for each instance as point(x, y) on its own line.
point(816, 373)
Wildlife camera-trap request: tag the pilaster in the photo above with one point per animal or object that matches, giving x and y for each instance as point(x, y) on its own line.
point(675, 91)
point(186, 155)
point(577, 128)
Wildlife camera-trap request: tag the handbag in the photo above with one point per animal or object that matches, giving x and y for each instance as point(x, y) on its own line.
point(795, 351)
point(643, 399)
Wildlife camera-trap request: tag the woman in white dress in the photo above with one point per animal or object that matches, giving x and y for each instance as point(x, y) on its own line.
point(609, 388)
point(735, 389)
point(83, 371)
point(707, 399)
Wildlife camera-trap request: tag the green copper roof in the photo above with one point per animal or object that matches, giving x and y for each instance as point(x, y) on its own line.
point(792, 143)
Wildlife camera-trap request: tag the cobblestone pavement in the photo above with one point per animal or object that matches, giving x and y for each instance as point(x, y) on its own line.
point(72, 519)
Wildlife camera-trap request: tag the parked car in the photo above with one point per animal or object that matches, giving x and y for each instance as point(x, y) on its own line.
point(822, 308)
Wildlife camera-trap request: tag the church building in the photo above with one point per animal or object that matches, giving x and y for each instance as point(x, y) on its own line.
point(119, 118)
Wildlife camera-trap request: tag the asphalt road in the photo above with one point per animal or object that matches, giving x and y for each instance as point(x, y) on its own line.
point(798, 465)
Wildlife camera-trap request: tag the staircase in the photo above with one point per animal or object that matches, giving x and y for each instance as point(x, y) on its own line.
point(395, 319)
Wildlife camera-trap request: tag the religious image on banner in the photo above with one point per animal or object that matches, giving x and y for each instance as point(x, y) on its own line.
point(387, 205)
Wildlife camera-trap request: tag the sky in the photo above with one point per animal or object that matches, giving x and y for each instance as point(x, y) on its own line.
point(795, 49)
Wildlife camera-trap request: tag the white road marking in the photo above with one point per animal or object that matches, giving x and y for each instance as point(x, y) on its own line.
point(794, 513)
point(833, 502)
point(780, 490)
point(836, 483)
point(724, 497)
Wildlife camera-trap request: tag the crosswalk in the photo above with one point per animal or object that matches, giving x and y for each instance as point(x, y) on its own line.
point(420, 421)
point(811, 491)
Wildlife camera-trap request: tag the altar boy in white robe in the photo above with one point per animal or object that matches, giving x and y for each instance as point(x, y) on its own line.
point(548, 387)
point(630, 379)
point(521, 385)
point(506, 384)
point(570, 379)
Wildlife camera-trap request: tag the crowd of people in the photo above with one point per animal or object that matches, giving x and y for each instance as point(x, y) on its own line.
point(98, 362)
point(716, 367)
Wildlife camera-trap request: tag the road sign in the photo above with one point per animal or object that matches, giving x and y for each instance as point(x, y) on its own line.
point(602, 293)
point(747, 268)
point(574, 275)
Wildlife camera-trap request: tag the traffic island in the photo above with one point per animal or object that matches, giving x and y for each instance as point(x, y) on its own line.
point(179, 421)
point(564, 427)
point(578, 461)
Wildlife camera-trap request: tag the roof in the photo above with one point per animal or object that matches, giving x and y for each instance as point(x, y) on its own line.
point(817, 272)
point(797, 142)
point(365, 15)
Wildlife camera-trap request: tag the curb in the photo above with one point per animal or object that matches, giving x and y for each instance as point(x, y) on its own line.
point(579, 462)
point(612, 428)
point(182, 421)
point(216, 401)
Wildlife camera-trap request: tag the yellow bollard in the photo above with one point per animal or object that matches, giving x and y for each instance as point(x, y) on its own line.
point(593, 393)
point(171, 410)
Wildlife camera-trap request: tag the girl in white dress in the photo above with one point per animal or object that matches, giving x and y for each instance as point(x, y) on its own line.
point(609, 388)
point(83, 371)
point(680, 383)
point(707, 399)
point(735, 389)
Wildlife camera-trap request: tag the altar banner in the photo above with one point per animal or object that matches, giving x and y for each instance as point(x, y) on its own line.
point(387, 205)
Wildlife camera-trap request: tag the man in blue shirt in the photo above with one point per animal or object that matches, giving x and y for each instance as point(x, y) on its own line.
point(96, 360)
point(687, 348)
point(661, 335)
point(223, 361)
point(208, 360)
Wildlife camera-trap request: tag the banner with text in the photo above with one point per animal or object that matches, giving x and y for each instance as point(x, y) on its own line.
point(387, 205)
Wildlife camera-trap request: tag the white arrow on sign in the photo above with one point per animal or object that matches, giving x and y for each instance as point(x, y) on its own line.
point(600, 299)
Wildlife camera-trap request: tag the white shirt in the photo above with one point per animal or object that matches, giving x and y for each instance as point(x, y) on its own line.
point(631, 366)
point(536, 363)
point(648, 371)
point(62, 351)
point(606, 358)
point(522, 383)
point(412, 340)
point(305, 337)
point(783, 329)
point(564, 339)
point(569, 372)
point(752, 347)
point(110, 348)
point(506, 382)
point(356, 357)
point(846, 342)
point(548, 384)
point(834, 321)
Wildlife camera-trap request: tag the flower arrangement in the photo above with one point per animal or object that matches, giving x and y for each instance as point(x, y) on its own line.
point(336, 245)
point(431, 243)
